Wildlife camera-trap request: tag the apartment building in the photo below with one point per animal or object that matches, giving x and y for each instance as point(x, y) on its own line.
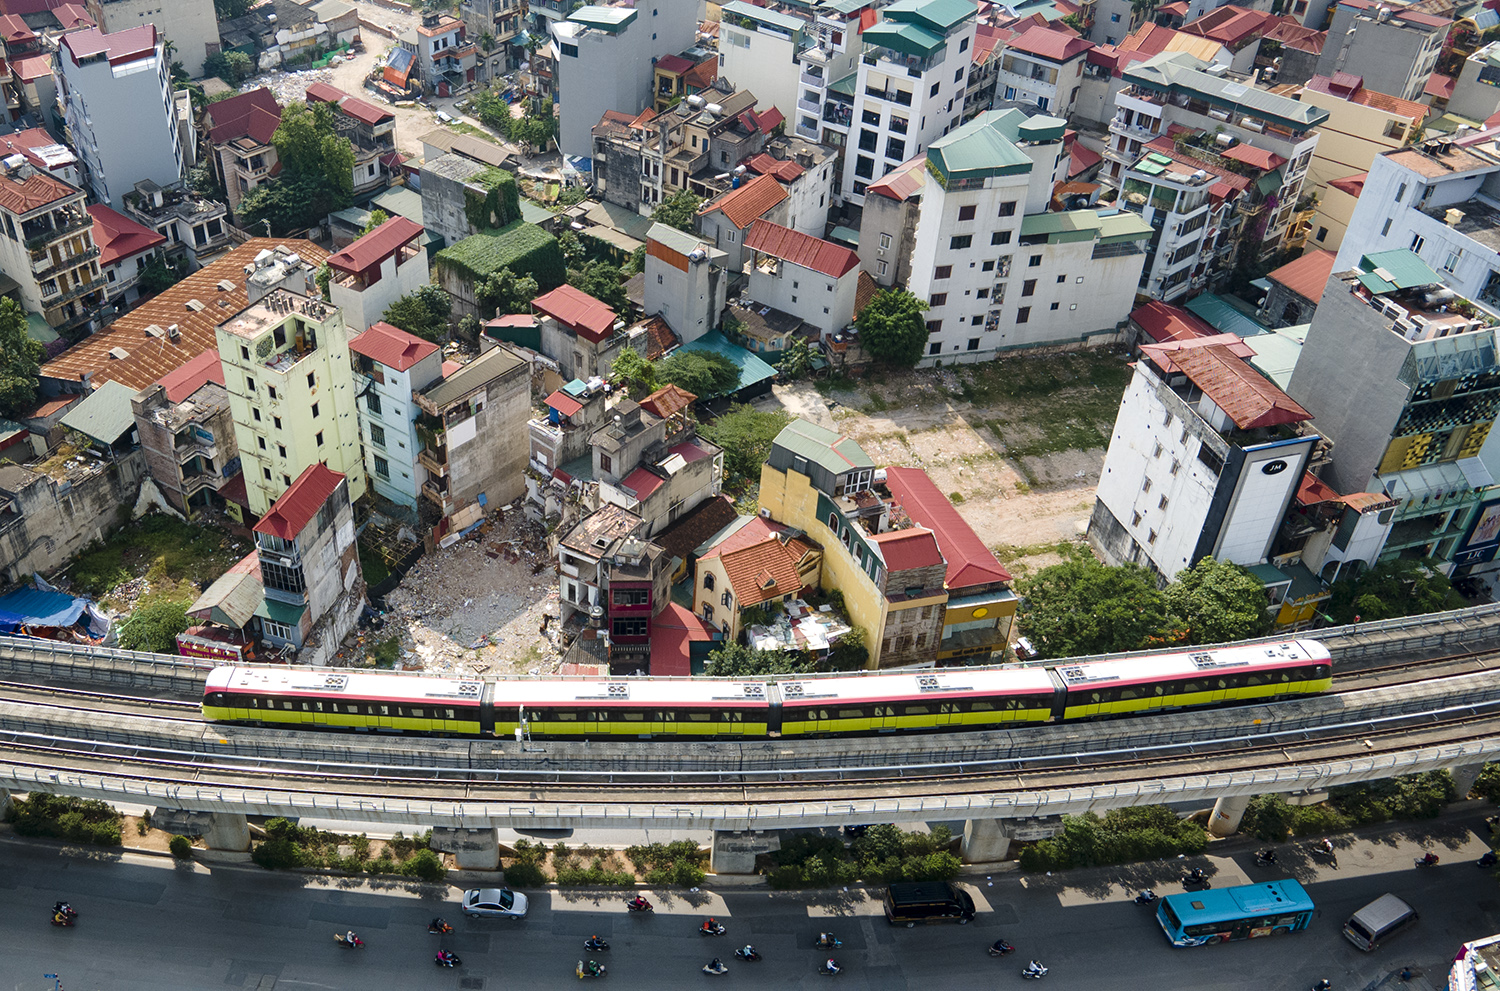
point(1392, 47)
point(291, 388)
point(1411, 417)
point(376, 270)
point(501, 21)
point(584, 556)
point(808, 278)
point(606, 61)
point(997, 270)
point(726, 220)
point(1476, 91)
point(117, 93)
point(1441, 200)
point(48, 248)
point(125, 247)
point(559, 440)
point(370, 129)
point(909, 88)
point(890, 218)
point(687, 281)
point(41, 149)
point(677, 77)
point(390, 368)
point(238, 131)
point(190, 25)
point(187, 434)
point(1361, 124)
point(752, 40)
point(443, 59)
point(1042, 67)
point(196, 228)
point(755, 563)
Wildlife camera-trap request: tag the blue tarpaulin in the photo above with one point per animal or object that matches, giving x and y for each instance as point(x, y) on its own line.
point(31, 608)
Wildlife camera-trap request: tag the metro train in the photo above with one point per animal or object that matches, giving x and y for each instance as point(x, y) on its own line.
point(929, 700)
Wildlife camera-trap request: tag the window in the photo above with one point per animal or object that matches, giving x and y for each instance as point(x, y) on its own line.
point(281, 450)
point(1008, 209)
point(629, 596)
point(1400, 192)
point(868, 140)
point(1151, 537)
point(256, 414)
point(885, 242)
point(1322, 233)
point(1064, 278)
point(310, 380)
point(1386, 229)
point(708, 581)
point(864, 167)
point(981, 294)
point(943, 272)
point(267, 473)
point(960, 242)
point(1114, 18)
point(315, 411)
point(725, 599)
point(933, 326)
point(871, 117)
point(998, 237)
point(963, 46)
point(1162, 504)
point(988, 266)
point(1454, 257)
point(1054, 306)
point(286, 480)
point(372, 403)
point(271, 391)
point(1023, 315)
point(249, 384)
point(973, 344)
point(883, 267)
point(1156, 452)
point(319, 438)
point(976, 320)
point(1010, 92)
point(276, 422)
point(933, 91)
point(935, 348)
point(244, 353)
point(606, 463)
point(1135, 519)
point(1035, 262)
point(1028, 288)
point(937, 299)
point(1146, 485)
point(1176, 466)
point(382, 467)
point(966, 212)
point(261, 441)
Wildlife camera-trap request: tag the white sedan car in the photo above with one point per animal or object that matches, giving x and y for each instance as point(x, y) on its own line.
point(494, 902)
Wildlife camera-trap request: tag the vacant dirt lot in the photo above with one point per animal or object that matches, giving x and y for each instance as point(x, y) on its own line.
point(1017, 443)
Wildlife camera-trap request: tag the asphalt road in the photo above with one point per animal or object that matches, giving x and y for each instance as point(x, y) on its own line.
point(147, 924)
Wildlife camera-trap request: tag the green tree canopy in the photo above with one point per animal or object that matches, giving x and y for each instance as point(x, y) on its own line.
point(634, 372)
point(735, 660)
point(156, 275)
point(1404, 587)
point(604, 282)
point(20, 359)
point(227, 9)
point(377, 217)
point(504, 291)
point(680, 210)
point(1218, 602)
point(307, 145)
point(796, 360)
point(231, 66)
point(745, 433)
point(423, 312)
point(891, 328)
point(154, 627)
point(1082, 607)
point(289, 203)
point(703, 373)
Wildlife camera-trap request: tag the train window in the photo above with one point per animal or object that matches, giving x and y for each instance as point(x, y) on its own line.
point(666, 716)
point(563, 716)
point(822, 713)
point(1159, 689)
point(697, 716)
point(1223, 683)
point(1011, 704)
point(449, 713)
point(254, 703)
point(416, 713)
point(385, 710)
point(1129, 693)
point(1253, 680)
point(736, 717)
point(851, 713)
point(602, 715)
point(633, 717)
point(1194, 687)
point(1284, 677)
point(916, 710)
point(286, 705)
point(982, 707)
point(1096, 697)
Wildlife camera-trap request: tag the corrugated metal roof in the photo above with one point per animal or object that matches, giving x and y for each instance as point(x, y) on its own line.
point(837, 453)
point(391, 346)
point(1182, 72)
point(796, 248)
point(786, 22)
point(1223, 316)
point(183, 382)
point(300, 503)
point(234, 596)
point(104, 414)
point(374, 247)
point(942, 14)
point(985, 146)
point(749, 203)
point(577, 309)
point(1306, 276)
point(970, 562)
point(1239, 390)
point(471, 377)
point(904, 181)
point(1276, 353)
point(1395, 269)
point(907, 549)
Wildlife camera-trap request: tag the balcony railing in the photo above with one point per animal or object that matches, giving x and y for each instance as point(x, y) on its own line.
point(807, 106)
point(807, 129)
point(897, 96)
point(809, 79)
point(39, 236)
point(195, 483)
point(838, 113)
point(430, 460)
point(48, 266)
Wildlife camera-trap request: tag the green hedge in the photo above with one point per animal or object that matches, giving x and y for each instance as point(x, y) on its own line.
point(1412, 796)
point(676, 864)
point(524, 248)
point(883, 854)
point(1123, 836)
point(288, 845)
point(79, 820)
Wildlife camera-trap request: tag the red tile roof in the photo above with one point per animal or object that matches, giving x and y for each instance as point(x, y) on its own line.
point(756, 529)
point(660, 338)
point(970, 563)
point(765, 122)
point(1249, 398)
point(254, 114)
point(183, 382)
point(234, 490)
point(28, 142)
point(13, 30)
point(783, 169)
point(668, 401)
point(1165, 322)
point(1346, 86)
point(797, 248)
point(904, 181)
point(1232, 26)
point(121, 46)
point(71, 15)
point(689, 451)
point(907, 549)
point(673, 630)
point(368, 251)
point(749, 203)
point(674, 64)
point(642, 483)
point(120, 237)
point(1055, 46)
point(703, 74)
point(391, 346)
point(1353, 185)
point(1081, 159)
point(1295, 36)
point(578, 310)
point(1306, 276)
point(563, 403)
point(1259, 158)
point(32, 193)
point(351, 105)
point(1439, 86)
point(299, 504)
point(987, 38)
point(32, 67)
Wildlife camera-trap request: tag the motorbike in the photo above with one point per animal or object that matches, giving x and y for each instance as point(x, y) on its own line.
point(1034, 972)
point(828, 941)
point(1323, 985)
point(1000, 948)
point(591, 968)
point(348, 940)
point(829, 968)
point(439, 926)
point(631, 905)
point(715, 966)
point(711, 929)
point(595, 944)
point(1146, 897)
point(747, 953)
point(1429, 860)
point(58, 919)
point(1265, 858)
point(446, 959)
point(65, 909)
point(1196, 876)
point(1488, 860)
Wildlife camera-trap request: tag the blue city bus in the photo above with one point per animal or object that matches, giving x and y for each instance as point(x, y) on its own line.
point(1244, 912)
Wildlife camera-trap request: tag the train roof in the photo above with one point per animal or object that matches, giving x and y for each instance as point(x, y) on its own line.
point(342, 681)
point(953, 682)
point(1186, 663)
point(630, 692)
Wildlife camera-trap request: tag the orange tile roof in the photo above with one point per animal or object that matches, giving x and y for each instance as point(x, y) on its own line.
point(183, 382)
point(668, 401)
point(762, 571)
point(21, 196)
point(391, 346)
point(749, 203)
point(907, 549)
point(299, 504)
point(864, 291)
point(152, 357)
point(1306, 276)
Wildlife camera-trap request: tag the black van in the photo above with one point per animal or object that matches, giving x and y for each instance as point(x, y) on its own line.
point(929, 901)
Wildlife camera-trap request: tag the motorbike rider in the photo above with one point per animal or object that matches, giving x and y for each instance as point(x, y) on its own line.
point(716, 964)
point(711, 924)
point(60, 917)
point(830, 966)
point(999, 946)
point(639, 903)
point(350, 938)
point(825, 939)
point(592, 968)
point(1328, 846)
point(1267, 856)
point(64, 908)
point(1035, 967)
point(748, 951)
point(1430, 858)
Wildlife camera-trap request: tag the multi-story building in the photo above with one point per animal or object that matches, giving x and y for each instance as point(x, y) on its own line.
point(1412, 415)
point(578, 332)
point(753, 563)
point(309, 566)
point(190, 25)
point(560, 440)
point(1361, 124)
point(585, 555)
point(650, 460)
point(606, 61)
point(444, 59)
point(726, 220)
point(291, 387)
point(117, 91)
point(48, 249)
point(1440, 199)
point(376, 270)
point(125, 247)
point(811, 279)
point(678, 77)
point(984, 68)
point(196, 228)
point(909, 88)
point(390, 368)
point(370, 129)
point(1476, 91)
point(41, 149)
point(1393, 47)
point(997, 270)
point(238, 133)
point(499, 22)
point(889, 223)
point(1204, 460)
point(473, 443)
point(1044, 67)
point(187, 434)
point(687, 281)
point(759, 49)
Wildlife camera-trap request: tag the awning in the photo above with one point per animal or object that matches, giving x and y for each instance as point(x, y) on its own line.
point(280, 612)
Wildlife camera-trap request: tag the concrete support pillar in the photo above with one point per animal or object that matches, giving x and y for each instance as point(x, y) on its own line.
point(227, 831)
point(985, 841)
point(1464, 778)
point(4, 803)
point(472, 849)
point(1228, 812)
point(735, 852)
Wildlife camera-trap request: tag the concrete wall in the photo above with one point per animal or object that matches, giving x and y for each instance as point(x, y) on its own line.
point(1392, 56)
point(820, 300)
point(763, 63)
point(54, 521)
point(689, 295)
point(493, 461)
point(191, 25)
point(1471, 97)
point(887, 230)
point(443, 204)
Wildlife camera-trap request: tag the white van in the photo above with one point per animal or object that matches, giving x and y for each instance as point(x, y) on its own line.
point(1378, 921)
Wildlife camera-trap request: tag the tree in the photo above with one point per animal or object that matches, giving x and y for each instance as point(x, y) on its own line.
point(572, 248)
point(796, 360)
point(324, 278)
point(156, 275)
point(154, 627)
point(228, 9)
point(231, 66)
point(1082, 607)
point(745, 433)
point(891, 328)
point(377, 218)
point(307, 145)
point(290, 203)
point(423, 312)
point(849, 653)
point(705, 374)
point(1404, 587)
point(735, 660)
point(680, 210)
point(20, 359)
point(506, 292)
point(602, 281)
point(634, 372)
point(1218, 602)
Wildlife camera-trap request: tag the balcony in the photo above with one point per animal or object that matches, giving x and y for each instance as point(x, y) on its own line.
point(437, 496)
point(814, 80)
point(45, 265)
point(807, 106)
point(197, 482)
point(195, 449)
point(56, 296)
point(435, 461)
point(807, 127)
point(839, 114)
point(900, 97)
point(40, 233)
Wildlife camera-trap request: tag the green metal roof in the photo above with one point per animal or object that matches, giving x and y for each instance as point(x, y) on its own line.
point(1123, 226)
point(844, 6)
point(752, 369)
point(786, 22)
point(848, 235)
point(104, 414)
point(533, 212)
point(908, 39)
point(834, 452)
point(845, 85)
point(1042, 128)
point(472, 377)
point(985, 146)
point(1182, 73)
point(679, 241)
point(1387, 271)
point(280, 612)
point(1276, 353)
point(1269, 574)
point(1270, 182)
point(400, 201)
point(1059, 223)
point(610, 19)
point(941, 14)
point(1219, 313)
point(1449, 123)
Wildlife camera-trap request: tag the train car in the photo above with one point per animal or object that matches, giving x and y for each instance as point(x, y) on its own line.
point(633, 707)
point(950, 699)
point(1194, 678)
point(299, 698)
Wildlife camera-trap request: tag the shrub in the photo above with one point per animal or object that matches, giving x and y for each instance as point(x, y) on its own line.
point(884, 853)
point(521, 874)
point(1123, 836)
point(277, 854)
point(524, 248)
point(1412, 796)
point(679, 863)
point(426, 865)
point(181, 847)
point(1488, 784)
point(78, 820)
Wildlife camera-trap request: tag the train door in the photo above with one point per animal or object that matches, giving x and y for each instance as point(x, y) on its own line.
point(884, 719)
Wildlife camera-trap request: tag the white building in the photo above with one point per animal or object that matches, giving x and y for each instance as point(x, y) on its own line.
point(1476, 91)
point(999, 272)
point(41, 149)
point(1044, 67)
point(390, 366)
point(686, 281)
point(1204, 460)
point(807, 173)
point(48, 250)
point(117, 89)
point(125, 247)
point(190, 25)
point(759, 51)
point(812, 279)
point(1440, 199)
point(605, 61)
point(909, 89)
point(376, 270)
